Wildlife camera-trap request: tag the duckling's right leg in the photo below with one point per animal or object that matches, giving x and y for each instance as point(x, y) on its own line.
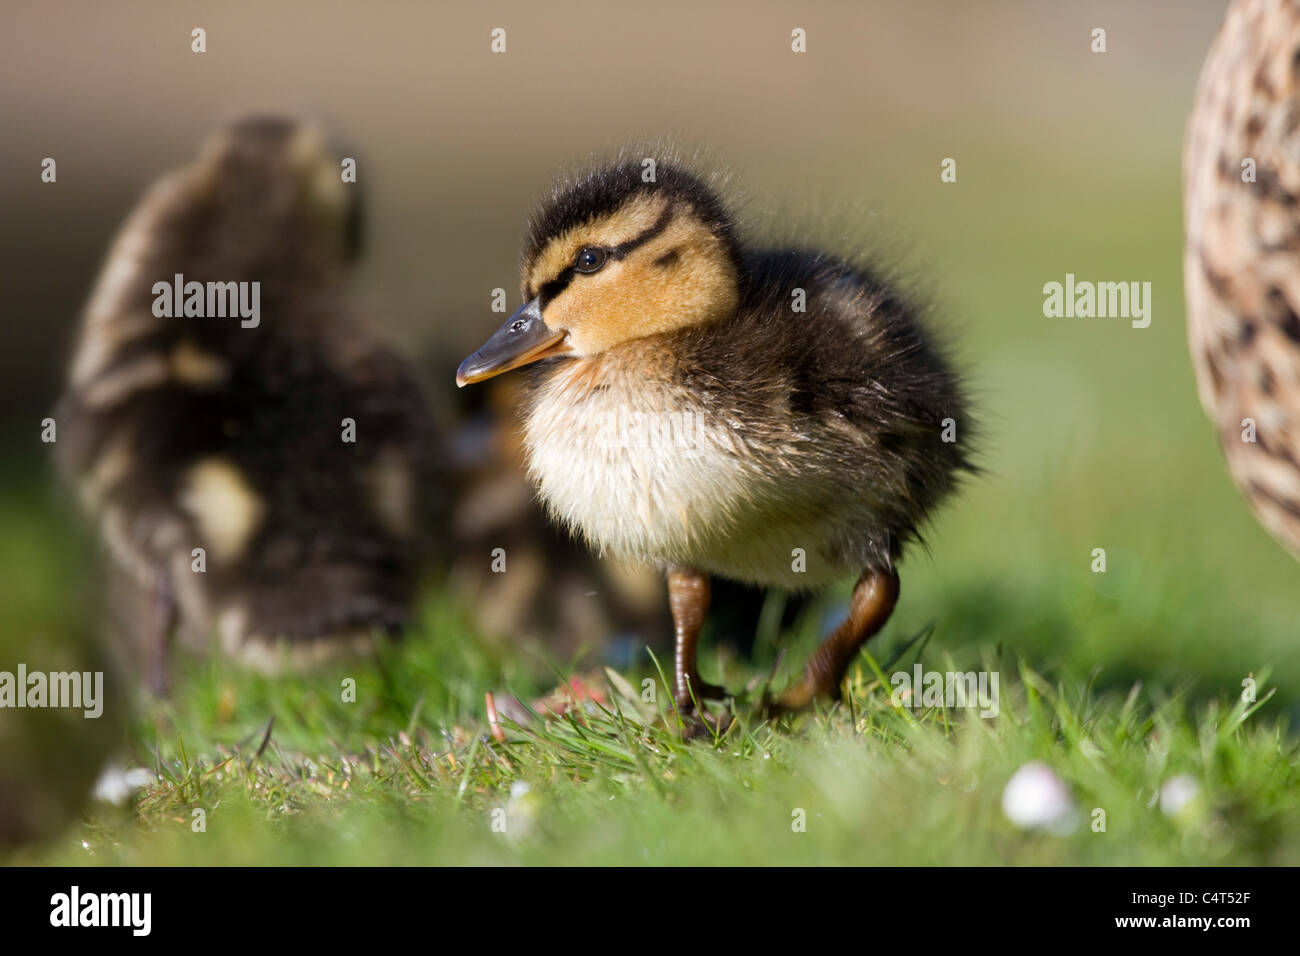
point(873, 601)
point(688, 597)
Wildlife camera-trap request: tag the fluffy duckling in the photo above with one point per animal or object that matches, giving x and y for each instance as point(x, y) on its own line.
point(290, 446)
point(1242, 262)
point(773, 416)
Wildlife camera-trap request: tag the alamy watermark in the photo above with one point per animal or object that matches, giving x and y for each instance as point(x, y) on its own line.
point(1102, 300)
point(133, 911)
point(214, 300)
point(922, 688)
point(624, 428)
point(83, 690)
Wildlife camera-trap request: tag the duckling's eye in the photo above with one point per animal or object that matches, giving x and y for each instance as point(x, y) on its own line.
point(590, 259)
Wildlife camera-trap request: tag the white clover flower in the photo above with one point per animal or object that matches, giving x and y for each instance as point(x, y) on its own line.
point(1177, 793)
point(116, 784)
point(1035, 798)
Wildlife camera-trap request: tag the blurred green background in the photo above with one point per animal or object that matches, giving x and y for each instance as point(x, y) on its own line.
point(1068, 161)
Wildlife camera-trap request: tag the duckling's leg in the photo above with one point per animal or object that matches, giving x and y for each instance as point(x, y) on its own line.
point(688, 597)
point(163, 618)
point(874, 597)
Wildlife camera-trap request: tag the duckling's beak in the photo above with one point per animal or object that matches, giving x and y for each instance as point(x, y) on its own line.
point(524, 338)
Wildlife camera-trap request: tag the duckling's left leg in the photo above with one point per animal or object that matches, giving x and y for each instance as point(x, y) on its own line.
point(688, 598)
point(873, 601)
point(163, 618)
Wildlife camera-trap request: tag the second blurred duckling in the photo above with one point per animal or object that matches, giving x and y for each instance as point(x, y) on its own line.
point(291, 447)
point(520, 576)
point(575, 606)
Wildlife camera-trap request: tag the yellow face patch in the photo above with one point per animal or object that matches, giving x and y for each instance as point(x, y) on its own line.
point(622, 225)
point(682, 275)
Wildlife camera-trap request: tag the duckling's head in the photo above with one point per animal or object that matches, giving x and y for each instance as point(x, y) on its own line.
point(631, 250)
point(269, 187)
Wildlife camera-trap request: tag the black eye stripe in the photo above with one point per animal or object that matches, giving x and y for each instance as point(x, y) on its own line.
point(551, 289)
point(623, 248)
point(554, 287)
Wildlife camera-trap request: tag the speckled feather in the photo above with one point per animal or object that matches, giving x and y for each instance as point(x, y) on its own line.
point(1242, 268)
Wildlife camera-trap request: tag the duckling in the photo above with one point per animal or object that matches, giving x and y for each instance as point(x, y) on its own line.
point(775, 417)
point(1242, 254)
point(265, 477)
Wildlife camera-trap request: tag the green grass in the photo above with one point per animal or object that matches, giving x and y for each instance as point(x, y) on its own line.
point(1118, 681)
point(390, 780)
point(408, 773)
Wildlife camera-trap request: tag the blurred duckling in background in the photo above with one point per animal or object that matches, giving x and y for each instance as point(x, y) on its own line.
point(1242, 262)
point(520, 576)
point(773, 416)
point(291, 447)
